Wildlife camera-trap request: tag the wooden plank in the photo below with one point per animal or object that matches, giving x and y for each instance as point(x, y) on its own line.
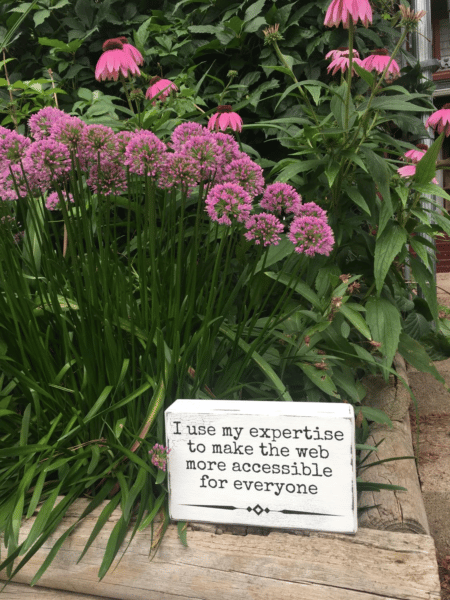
point(395, 511)
point(310, 566)
point(18, 591)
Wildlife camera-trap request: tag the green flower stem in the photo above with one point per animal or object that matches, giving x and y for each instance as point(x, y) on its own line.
point(122, 79)
point(349, 74)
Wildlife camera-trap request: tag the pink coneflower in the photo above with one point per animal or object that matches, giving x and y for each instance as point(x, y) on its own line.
point(131, 50)
point(228, 200)
point(206, 151)
point(342, 51)
point(310, 209)
point(12, 148)
point(311, 236)
point(144, 153)
point(159, 456)
point(46, 160)
point(52, 201)
point(160, 89)
point(280, 197)
point(416, 154)
point(246, 173)
point(107, 178)
point(410, 171)
point(440, 120)
point(264, 229)
point(179, 169)
point(224, 118)
point(183, 132)
point(341, 11)
point(68, 130)
point(114, 61)
point(341, 63)
point(378, 61)
point(40, 123)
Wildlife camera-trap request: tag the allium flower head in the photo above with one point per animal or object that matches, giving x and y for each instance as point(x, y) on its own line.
point(46, 160)
point(280, 197)
point(311, 235)
point(11, 178)
point(4, 131)
point(310, 209)
point(12, 148)
point(114, 61)
point(131, 50)
point(206, 151)
point(183, 132)
point(378, 61)
point(52, 201)
point(230, 147)
point(341, 11)
point(228, 200)
point(416, 154)
point(97, 139)
point(41, 123)
point(224, 118)
point(264, 229)
point(160, 88)
point(246, 173)
point(440, 120)
point(180, 170)
point(159, 456)
point(122, 139)
point(144, 153)
point(107, 177)
point(68, 130)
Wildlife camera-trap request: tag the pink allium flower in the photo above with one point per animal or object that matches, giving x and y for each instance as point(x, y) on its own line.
point(410, 171)
point(280, 197)
point(342, 51)
point(416, 154)
point(114, 61)
point(40, 123)
point(4, 131)
point(311, 236)
point(97, 139)
point(310, 209)
point(122, 139)
point(206, 152)
point(12, 148)
point(107, 178)
point(160, 88)
point(230, 148)
point(246, 173)
point(11, 178)
point(46, 160)
point(68, 130)
point(378, 61)
point(227, 200)
point(224, 118)
point(264, 228)
point(52, 201)
point(341, 63)
point(144, 153)
point(440, 120)
point(131, 50)
point(179, 169)
point(341, 11)
point(183, 132)
point(159, 456)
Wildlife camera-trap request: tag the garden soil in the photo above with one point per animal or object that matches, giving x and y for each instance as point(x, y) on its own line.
point(432, 444)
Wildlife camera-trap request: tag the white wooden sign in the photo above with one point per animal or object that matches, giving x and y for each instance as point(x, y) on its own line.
point(273, 464)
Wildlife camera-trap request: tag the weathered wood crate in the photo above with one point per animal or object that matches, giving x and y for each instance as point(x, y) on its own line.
point(311, 566)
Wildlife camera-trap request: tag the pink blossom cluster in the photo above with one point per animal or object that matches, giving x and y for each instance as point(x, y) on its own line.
point(311, 235)
point(159, 455)
point(53, 202)
point(377, 61)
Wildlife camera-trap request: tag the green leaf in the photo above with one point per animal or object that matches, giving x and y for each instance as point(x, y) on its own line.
point(356, 320)
point(40, 16)
point(320, 378)
point(377, 166)
point(383, 319)
point(376, 415)
point(301, 288)
point(182, 532)
point(425, 278)
point(426, 167)
point(388, 245)
point(357, 198)
point(414, 353)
